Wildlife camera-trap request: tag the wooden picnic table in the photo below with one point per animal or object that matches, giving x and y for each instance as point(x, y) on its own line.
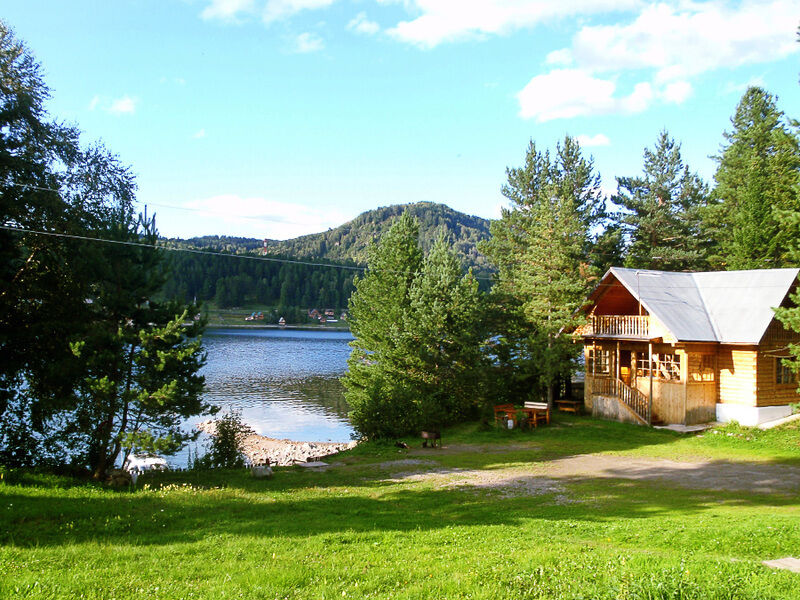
point(569, 405)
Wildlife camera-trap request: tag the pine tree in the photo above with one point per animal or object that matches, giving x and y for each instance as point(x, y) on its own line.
point(377, 387)
point(757, 180)
point(539, 247)
point(418, 357)
point(444, 338)
point(662, 211)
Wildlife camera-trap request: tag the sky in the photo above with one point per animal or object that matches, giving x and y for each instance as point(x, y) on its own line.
point(278, 118)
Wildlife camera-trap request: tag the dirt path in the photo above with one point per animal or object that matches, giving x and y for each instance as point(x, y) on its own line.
point(548, 476)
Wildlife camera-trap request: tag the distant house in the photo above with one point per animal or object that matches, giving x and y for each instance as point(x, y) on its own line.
point(689, 347)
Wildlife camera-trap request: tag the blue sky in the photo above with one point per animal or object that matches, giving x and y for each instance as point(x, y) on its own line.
point(276, 118)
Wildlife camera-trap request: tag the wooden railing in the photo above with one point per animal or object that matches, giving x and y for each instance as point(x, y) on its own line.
point(633, 398)
point(626, 326)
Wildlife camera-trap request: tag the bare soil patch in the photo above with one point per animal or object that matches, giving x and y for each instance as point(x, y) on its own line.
point(548, 477)
point(699, 474)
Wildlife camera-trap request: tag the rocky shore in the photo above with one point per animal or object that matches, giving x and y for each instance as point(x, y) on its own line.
point(258, 448)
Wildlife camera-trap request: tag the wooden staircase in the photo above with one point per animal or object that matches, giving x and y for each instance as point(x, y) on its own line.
point(629, 396)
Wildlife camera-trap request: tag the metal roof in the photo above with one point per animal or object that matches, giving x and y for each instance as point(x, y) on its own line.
point(729, 307)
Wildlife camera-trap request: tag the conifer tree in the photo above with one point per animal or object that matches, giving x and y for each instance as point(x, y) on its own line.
point(662, 211)
point(758, 179)
point(444, 337)
point(539, 247)
point(377, 388)
point(417, 358)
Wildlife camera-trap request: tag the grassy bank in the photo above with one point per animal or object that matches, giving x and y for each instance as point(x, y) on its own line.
point(495, 514)
point(235, 317)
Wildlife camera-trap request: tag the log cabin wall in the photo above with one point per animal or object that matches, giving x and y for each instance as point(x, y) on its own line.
point(773, 347)
point(737, 370)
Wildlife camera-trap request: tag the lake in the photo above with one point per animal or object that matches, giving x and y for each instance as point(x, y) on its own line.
point(285, 382)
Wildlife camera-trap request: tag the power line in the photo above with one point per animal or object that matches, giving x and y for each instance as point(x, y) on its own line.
point(209, 253)
point(211, 213)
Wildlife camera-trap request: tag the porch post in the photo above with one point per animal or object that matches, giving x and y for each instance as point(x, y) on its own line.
point(685, 376)
point(650, 408)
point(617, 363)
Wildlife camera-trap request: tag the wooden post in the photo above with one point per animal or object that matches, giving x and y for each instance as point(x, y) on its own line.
point(616, 363)
point(650, 407)
point(685, 374)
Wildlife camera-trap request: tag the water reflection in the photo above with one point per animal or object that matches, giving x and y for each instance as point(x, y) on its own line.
point(284, 382)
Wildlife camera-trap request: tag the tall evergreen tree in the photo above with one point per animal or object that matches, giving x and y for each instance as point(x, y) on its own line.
point(661, 217)
point(444, 338)
point(417, 358)
point(758, 179)
point(539, 247)
point(377, 389)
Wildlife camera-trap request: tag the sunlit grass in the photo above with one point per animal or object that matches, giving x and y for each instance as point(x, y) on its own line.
point(351, 532)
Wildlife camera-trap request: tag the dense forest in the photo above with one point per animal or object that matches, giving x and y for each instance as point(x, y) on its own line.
point(273, 280)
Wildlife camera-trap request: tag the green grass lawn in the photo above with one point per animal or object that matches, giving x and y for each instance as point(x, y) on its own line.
point(391, 523)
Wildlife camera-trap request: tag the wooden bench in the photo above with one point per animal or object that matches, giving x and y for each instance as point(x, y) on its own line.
point(504, 410)
point(538, 410)
point(573, 406)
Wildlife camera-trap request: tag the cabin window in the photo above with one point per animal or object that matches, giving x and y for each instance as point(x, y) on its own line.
point(598, 361)
point(705, 368)
point(783, 374)
point(664, 366)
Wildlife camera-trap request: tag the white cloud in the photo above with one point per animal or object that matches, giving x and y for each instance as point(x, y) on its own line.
point(590, 141)
point(122, 106)
point(562, 57)
point(677, 92)
point(200, 134)
point(276, 10)
point(308, 42)
point(739, 88)
point(273, 219)
point(442, 21)
point(568, 93)
point(691, 38)
point(118, 106)
point(664, 47)
point(226, 10)
point(361, 24)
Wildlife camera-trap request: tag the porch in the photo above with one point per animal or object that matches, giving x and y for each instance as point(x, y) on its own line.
point(649, 383)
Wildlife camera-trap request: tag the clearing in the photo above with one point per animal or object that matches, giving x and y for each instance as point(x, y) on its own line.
point(580, 509)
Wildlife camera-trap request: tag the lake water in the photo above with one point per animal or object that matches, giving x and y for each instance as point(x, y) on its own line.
point(285, 382)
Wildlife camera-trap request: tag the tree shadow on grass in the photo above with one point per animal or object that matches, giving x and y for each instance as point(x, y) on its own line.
point(298, 511)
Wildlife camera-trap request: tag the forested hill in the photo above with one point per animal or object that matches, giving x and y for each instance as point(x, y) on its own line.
point(227, 282)
point(349, 242)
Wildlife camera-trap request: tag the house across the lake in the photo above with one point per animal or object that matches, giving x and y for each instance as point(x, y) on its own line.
point(689, 347)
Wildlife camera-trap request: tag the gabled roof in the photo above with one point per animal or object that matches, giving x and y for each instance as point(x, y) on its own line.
point(729, 307)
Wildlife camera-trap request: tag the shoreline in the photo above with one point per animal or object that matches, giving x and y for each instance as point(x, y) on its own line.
point(258, 449)
point(273, 326)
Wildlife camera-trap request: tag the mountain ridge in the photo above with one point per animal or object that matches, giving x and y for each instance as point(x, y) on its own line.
point(349, 241)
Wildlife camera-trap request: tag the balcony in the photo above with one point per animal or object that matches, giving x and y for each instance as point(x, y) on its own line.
point(613, 326)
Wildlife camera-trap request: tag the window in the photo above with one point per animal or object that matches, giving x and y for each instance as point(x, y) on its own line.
point(664, 366)
point(705, 368)
point(783, 374)
point(602, 366)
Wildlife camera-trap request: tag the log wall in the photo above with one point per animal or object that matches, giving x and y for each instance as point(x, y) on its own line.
point(737, 368)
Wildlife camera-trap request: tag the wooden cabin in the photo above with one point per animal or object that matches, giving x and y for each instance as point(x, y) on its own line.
point(664, 347)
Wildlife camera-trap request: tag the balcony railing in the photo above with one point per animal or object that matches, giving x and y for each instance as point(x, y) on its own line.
point(625, 326)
